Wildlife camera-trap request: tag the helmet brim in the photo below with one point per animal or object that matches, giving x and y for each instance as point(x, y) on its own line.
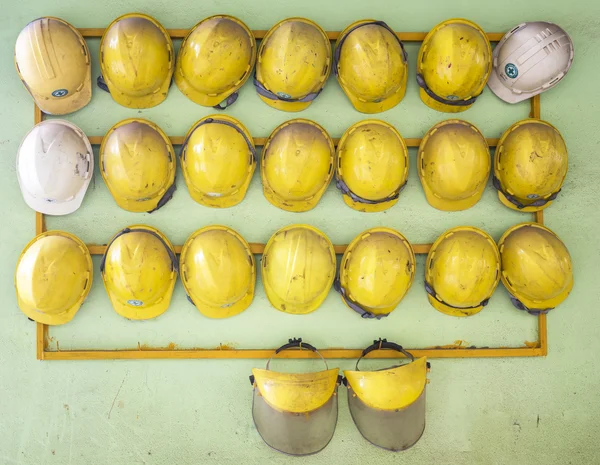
point(438, 106)
point(503, 92)
point(510, 205)
point(225, 312)
point(142, 312)
point(450, 205)
point(48, 319)
point(68, 104)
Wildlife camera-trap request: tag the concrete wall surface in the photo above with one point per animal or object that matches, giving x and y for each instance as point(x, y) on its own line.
point(513, 411)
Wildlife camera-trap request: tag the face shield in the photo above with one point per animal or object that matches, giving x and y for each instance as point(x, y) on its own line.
point(295, 413)
point(388, 405)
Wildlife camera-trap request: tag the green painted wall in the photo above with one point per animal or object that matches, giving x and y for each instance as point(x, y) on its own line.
point(503, 411)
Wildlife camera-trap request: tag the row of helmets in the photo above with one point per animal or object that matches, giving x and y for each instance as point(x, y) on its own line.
point(218, 159)
point(293, 62)
point(296, 413)
point(298, 266)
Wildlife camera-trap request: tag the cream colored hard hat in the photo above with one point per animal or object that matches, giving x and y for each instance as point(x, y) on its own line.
point(53, 61)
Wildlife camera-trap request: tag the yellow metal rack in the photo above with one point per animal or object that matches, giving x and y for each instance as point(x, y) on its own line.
point(536, 349)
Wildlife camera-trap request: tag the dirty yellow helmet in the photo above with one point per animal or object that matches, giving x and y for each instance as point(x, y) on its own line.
point(298, 268)
point(53, 61)
point(136, 61)
point(376, 272)
point(218, 159)
point(215, 60)
point(138, 165)
point(455, 62)
point(371, 66)
point(53, 277)
point(297, 165)
point(294, 62)
point(139, 269)
point(536, 267)
point(218, 271)
point(372, 165)
point(462, 271)
point(530, 165)
point(454, 165)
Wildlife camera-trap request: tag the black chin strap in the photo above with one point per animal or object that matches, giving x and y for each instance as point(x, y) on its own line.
point(338, 46)
point(342, 186)
point(455, 103)
point(363, 312)
point(429, 289)
point(512, 199)
point(172, 256)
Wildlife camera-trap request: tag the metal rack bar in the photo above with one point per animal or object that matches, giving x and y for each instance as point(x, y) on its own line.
point(536, 349)
point(96, 32)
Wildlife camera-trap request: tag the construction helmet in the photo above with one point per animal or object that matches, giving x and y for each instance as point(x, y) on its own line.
point(388, 405)
point(218, 159)
point(138, 165)
point(536, 267)
point(53, 277)
point(372, 165)
point(294, 62)
point(462, 271)
point(455, 61)
point(55, 164)
point(530, 165)
point(376, 272)
point(295, 413)
point(218, 271)
point(215, 60)
point(139, 269)
point(530, 59)
point(298, 268)
point(454, 165)
point(53, 61)
point(297, 165)
point(136, 61)
point(371, 66)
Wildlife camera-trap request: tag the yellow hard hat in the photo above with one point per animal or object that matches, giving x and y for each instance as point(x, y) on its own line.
point(462, 271)
point(294, 62)
point(530, 165)
point(218, 159)
point(536, 267)
point(136, 61)
point(53, 277)
point(376, 272)
point(371, 66)
point(138, 165)
point(454, 165)
point(455, 62)
point(218, 271)
point(139, 270)
point(372, 165)
point(215, 60)
point(53, 61)
point(297, 165)
point(298, 268)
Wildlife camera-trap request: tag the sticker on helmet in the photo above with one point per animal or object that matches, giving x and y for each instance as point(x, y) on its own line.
point(511, 70)
point(135, 303)
point(532, 196)
point(284, 95)
point(451, 97)
point(60, 93)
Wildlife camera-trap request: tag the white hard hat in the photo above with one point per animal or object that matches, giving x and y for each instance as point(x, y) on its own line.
point(55, 164)
point(530, 59)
